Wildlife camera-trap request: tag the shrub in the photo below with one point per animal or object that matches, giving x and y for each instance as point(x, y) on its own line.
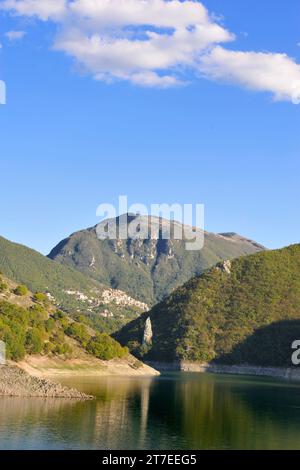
point(48, 347)
point(36, 309)
point(58, 337)
point(62, 349)
point(21, 290)
point(3, 286)
point(39, 297)
point(64, 323)
point(58, 315)
point(37, 317)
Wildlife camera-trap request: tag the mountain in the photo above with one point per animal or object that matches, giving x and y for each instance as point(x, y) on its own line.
point(146, 269)
point(242, 312)
point(69, 289)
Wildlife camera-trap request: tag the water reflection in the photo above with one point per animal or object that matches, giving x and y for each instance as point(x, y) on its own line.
point(179, 411)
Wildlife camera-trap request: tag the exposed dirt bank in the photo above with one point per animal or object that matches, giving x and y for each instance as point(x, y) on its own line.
point(40, 366)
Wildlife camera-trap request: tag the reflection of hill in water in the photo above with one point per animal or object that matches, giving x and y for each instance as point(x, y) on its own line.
point(181, 411)
point(117, 417)
point(228, 412)
point(26, 422)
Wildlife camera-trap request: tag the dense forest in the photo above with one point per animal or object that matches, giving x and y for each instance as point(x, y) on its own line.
point(242, 312)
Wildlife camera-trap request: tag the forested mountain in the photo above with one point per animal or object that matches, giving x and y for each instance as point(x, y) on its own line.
point(242, 312)
point(147, 269)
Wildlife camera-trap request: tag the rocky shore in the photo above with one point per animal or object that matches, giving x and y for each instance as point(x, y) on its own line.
point(15, 382)
point(287, 373)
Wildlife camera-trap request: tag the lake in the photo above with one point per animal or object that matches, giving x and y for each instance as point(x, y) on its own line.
point(174, 411)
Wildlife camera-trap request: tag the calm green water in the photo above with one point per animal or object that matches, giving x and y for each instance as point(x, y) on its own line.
point(176, 411)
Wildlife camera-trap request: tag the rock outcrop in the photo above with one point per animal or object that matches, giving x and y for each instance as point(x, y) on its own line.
point(148, 333)
point(225, 266)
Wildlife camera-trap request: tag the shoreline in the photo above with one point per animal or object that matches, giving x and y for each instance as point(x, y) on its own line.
point(39, 377)
point(16, 382)
point(45, 367)
point(286, 373)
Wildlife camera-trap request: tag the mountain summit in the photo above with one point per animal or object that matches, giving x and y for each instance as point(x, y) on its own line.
point(147, 269)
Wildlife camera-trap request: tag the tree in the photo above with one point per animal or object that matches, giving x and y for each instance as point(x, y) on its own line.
point(78, 332)
point(34, 341)
point(106, 348)
point(50, 325)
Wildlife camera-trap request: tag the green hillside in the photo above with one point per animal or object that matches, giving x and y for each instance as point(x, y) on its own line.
point(27, 266)
point(31, 325)
point(70, 290)
point(243, 312)
point(149, 269)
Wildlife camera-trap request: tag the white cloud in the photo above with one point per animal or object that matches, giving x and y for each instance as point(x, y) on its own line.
point(154, 54)
point(276, 73)
point(43, 9)
point(158, 43)
point(15, 35)
point(152, 79)
point(171, 13)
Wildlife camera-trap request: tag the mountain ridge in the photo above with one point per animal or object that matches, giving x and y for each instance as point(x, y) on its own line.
point(147, 269)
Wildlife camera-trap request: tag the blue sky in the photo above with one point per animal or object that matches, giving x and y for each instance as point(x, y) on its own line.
point(69, 142)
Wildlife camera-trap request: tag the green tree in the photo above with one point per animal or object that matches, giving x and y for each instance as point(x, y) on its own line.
point(106, 348)
point(50, 325)
point(78, 332)
point(34, 341)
